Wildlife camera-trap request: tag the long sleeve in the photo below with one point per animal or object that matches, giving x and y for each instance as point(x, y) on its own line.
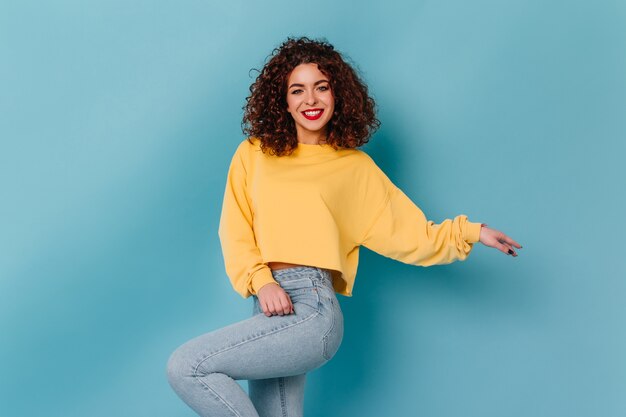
point(242, 258)
point(401, 231)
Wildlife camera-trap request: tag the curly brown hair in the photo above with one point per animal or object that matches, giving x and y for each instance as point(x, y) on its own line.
point(265, 113)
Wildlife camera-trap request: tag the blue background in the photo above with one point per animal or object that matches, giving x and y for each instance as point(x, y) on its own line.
point(117, 123)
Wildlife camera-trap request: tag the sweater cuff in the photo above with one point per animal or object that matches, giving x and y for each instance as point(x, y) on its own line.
point(472, 232)
point(261, 278)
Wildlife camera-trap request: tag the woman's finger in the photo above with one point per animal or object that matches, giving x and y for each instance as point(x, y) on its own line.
point(504, 248)
point(506, 239)
point(285, 304)
point(266, 308)
point(512, 242)
point(278, 308)
point(510, 250)
point(275, 309)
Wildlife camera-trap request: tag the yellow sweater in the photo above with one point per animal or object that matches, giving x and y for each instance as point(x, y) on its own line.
point(316, 207)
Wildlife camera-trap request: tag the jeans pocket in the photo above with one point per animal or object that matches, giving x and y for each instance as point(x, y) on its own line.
point(302, 291)
point(297, 284)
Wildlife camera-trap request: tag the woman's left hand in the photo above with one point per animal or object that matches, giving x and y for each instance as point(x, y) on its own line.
point(496, 239)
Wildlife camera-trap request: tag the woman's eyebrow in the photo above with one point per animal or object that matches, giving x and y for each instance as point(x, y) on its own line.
point(302, 85)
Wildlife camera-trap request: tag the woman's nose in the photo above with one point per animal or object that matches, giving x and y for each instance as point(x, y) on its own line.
point(310, 99)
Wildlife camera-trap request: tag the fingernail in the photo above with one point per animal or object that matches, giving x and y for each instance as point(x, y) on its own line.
point(510, 252)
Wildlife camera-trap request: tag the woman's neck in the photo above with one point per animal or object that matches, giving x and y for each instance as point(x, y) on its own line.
point(312, 138)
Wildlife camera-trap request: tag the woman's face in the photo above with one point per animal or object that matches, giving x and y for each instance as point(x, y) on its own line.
point(309, 100)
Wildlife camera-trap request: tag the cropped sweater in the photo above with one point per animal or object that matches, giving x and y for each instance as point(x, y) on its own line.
point(316, 207)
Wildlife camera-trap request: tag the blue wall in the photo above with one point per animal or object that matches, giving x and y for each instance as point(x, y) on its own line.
point(117, 123)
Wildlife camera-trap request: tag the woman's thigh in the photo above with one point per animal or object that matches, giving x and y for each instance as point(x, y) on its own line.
point(263, 347)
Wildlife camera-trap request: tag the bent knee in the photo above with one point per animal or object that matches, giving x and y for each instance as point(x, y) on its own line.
point(178, 368)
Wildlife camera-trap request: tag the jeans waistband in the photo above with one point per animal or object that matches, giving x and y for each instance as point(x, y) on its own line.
point(295, 272)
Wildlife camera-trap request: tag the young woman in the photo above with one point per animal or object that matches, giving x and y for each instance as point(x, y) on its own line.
point(300, 200)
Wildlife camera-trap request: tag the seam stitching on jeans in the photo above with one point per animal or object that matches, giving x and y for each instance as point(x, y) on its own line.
point(283, 396)
point(332, 327)
point(219, 397)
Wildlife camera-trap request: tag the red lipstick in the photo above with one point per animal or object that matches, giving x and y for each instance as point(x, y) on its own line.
point(313, 114)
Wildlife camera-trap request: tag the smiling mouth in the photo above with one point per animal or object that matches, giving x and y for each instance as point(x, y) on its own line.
point(313, 114)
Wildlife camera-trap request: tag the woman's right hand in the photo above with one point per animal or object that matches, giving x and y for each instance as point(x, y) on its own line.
point(274, 300)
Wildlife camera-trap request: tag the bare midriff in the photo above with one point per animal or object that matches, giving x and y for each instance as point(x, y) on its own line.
point(281, 265)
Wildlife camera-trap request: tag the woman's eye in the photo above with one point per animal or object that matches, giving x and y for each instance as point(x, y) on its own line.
point(320, 88)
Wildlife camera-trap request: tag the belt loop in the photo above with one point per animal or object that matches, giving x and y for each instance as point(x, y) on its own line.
point(324, 274)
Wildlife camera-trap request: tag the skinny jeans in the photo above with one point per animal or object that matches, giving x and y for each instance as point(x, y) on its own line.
point(273, 353)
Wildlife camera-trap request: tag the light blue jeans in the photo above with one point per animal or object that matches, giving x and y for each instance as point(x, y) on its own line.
point(272, 353)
